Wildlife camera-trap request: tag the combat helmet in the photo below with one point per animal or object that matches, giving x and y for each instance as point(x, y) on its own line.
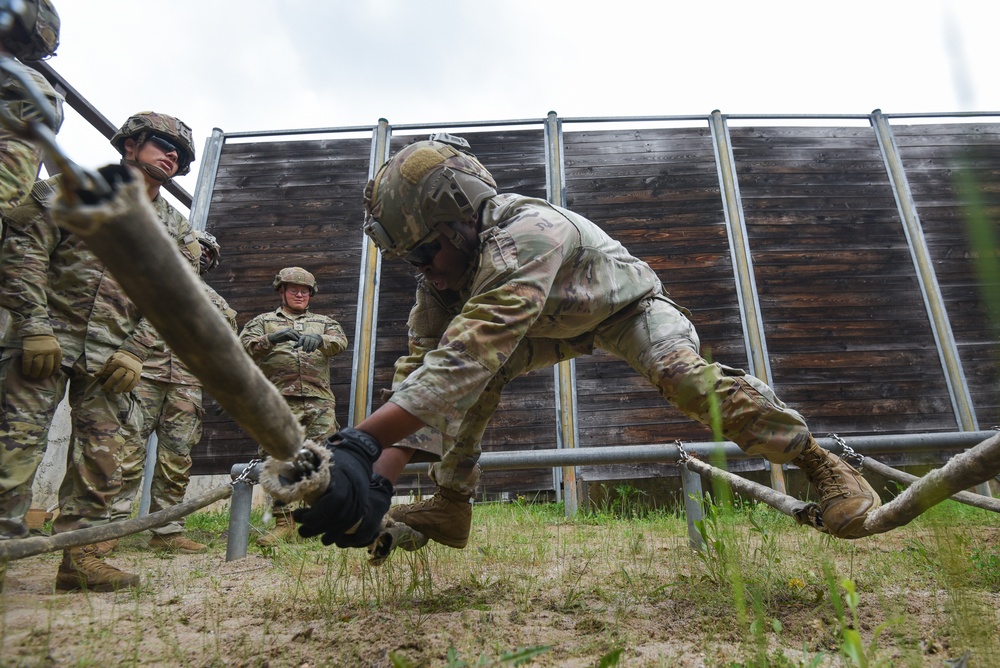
point(297, 276)
point(145, 123)
point(211, 244)
point(34, 33)
point(421, 189)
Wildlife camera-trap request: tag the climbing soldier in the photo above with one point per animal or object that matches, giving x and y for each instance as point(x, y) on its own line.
point(509, 284)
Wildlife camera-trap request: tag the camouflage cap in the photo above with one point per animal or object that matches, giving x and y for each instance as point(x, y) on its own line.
point(37, 37)
point(142, 124)
point(419, 190)
point(295, 276)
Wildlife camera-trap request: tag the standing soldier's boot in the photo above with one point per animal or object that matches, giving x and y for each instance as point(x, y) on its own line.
point(283, 532)
point(846, 498)
point(446, 517)
point(82, 569)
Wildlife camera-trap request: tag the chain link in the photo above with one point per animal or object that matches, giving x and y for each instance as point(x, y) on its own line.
point(849, 454)
point(682, 455)
point(244, 475)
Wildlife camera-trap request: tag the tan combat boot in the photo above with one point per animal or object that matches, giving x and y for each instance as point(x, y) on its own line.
point(105, 547)
point(82, 569)
point(176, 542)
point(283, 532)
point(446, 517)
point(846, 498)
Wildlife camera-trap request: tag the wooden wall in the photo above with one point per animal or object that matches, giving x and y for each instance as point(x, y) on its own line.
point(848, 336)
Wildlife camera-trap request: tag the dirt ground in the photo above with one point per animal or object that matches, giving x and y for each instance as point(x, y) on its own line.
point(306, 607)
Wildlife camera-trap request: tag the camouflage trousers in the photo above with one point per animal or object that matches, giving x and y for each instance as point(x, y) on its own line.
point(317, 416)
point(659, 342)
point(101, 425)
point(174, 412)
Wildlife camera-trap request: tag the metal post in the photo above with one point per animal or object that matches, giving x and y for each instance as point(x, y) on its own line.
point(567, 432)
point(371, 268)
point(148, 471)
point(944, 337)
point(239, 512)
point(206, 179)
point(693, 497)
point(739, 248)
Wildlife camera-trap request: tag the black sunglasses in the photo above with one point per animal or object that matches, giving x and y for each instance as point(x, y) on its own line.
point(166, 145)
point(423, 254)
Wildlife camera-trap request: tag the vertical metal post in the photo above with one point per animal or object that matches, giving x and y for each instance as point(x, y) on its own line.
point(148, 471)
point(944, 337)
point(693, 498)
point(567, 433)
point(239, 512)
point(206, 179)
point(739, 248)
point(368, 289)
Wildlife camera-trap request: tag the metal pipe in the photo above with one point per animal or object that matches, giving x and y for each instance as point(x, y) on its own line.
point(670, 453)
point(693, 495)
point(239, 511)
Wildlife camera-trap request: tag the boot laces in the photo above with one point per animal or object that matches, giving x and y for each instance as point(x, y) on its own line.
point(828, 481)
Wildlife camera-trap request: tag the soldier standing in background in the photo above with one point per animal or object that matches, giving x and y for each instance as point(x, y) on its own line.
point(73, 326)
point(171, 398)
point(293, 347)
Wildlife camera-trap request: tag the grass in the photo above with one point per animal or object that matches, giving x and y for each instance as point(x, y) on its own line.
point(618, 585)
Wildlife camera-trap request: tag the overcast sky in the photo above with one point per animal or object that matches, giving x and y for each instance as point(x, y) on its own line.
point(281, 64)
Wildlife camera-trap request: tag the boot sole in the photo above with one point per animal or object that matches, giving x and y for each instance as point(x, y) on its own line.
point(76, 585)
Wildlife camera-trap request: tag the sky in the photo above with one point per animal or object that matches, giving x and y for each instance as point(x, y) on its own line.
point(246, 65)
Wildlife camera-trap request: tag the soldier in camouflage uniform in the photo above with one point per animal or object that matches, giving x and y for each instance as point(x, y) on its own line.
point(293, 347)
point(171, 400)
point(73, 326)
point(509, 284)
point(32, 37)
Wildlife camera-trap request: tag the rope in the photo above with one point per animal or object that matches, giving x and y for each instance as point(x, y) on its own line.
point(11, 550)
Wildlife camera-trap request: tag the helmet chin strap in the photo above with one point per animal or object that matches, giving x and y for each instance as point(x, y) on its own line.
point(153, 171)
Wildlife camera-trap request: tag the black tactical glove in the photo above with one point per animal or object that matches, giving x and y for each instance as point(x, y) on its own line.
point(309, 342)
point(379, 498)
point(345, 501)
point(286, 334)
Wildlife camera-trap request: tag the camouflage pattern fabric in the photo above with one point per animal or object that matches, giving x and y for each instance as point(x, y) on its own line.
point(295, 373)
point(20, 158)
point(549, 285)
point(175, 412)
point(53, 284)
point(102, 423)
point(172, 407)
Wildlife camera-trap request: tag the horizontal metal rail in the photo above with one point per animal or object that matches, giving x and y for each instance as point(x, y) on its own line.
point(670, 453)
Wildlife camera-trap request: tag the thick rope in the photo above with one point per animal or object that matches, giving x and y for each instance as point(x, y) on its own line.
point(19, 548)
point(904, 478)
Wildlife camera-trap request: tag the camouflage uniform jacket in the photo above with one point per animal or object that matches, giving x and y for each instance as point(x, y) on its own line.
point(295, 373)
point(164, 366)
point(541, 272)
point(20, 158)
point(54, 284)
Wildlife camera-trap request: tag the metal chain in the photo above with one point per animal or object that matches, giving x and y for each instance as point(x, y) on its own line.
point(849, 454)
point(244, 475)
point(682, 455)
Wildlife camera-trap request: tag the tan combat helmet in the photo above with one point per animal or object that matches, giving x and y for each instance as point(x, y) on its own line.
point(296, 276)
point(145, 123)
point(422, 188)
point(34, 31)
point(210, 244)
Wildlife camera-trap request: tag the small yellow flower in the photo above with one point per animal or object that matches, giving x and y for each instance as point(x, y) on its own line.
point(796, 584)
